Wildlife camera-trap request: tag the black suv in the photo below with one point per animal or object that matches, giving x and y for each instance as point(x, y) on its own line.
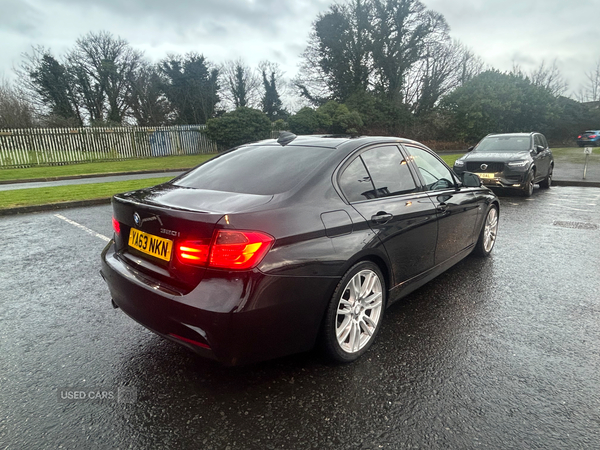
point(515, 161)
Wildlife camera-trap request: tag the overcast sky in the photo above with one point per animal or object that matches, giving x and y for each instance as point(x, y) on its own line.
point(499, 31)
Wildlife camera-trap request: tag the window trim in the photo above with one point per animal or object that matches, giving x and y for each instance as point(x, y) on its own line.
point(455, 178)
point(357, 154)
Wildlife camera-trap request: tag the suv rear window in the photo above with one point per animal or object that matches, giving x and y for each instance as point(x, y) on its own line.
point(504, 144)
point(265, 170)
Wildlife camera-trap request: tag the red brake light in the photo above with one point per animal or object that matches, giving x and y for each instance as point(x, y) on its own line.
point(593, 136)
point(116, 226)
point(193, 252)
point(233, 249)
point(579, 137)
point(228, 249)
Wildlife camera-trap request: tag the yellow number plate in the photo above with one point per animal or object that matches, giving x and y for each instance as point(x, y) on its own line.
point(150, 244)
point(485, 175)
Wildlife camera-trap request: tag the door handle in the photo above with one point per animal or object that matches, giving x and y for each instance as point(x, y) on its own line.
point(442, 207)
point(382, 217)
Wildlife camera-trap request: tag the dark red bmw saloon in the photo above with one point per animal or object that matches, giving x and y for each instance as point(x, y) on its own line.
point(271, 247)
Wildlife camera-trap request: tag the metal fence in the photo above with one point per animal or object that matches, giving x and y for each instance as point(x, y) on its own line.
point(61, 146)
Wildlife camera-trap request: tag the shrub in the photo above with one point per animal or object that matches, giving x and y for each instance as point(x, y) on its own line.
point(239, 127)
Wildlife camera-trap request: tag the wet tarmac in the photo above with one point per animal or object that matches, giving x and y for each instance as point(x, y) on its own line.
point(496, 353)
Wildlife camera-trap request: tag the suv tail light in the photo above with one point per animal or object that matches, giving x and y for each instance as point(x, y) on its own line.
point(593, 136)
point(579, 137)
point(228, 249)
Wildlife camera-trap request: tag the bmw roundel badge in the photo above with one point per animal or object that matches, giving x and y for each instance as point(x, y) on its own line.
point(137, 219)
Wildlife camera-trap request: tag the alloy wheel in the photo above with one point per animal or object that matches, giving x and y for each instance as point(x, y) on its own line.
point(490, 230)
point(359, 311)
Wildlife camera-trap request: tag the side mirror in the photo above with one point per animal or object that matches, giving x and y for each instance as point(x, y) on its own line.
point(469, 179)
point(470, 148)
point(539, 149)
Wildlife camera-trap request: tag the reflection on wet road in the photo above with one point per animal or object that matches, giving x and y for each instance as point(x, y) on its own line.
point(496, 353)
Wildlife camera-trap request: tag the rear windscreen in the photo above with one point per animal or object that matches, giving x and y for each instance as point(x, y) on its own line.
point(504, 144)
point(256, 170)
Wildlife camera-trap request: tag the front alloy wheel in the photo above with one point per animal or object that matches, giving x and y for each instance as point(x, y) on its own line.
point(528, 186)
point(547, 182)
point(489, 232)
point(355, 312)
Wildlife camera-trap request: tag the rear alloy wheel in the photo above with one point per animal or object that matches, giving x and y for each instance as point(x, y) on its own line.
point(547, 182)
point(528, 186)
point(489, 231)
point(355, 313)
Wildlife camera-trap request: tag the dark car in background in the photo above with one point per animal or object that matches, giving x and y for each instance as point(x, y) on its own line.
point(513, 161)
point(589, 138)
point(266, 249)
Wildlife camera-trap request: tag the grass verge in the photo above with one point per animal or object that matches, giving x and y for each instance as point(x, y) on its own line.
point(449, 159)
point(162, 163)
point(57, 194)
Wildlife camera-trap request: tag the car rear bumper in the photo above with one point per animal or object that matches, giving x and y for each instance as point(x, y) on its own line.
point(234, 318)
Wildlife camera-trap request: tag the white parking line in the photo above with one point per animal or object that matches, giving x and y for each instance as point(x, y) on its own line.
point(81, 227)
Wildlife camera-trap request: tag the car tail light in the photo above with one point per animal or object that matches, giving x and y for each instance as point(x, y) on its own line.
point(232, 249)
point(193, 252)
point(116, 226)
point(579, 137)
point(593, 136)
point(228, 249)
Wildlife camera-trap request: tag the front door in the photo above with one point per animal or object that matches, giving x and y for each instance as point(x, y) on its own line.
point(456, 207)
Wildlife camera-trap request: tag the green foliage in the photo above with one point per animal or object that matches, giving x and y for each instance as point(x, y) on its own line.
point(280, 125)
point(191, 86)
point(341, 119)
point(494, 102)
point(571, 119)
point(333, 118)
point(239, 127)
point(306, 121)
point(53, 83)
point(379, 114)
point(271, 102)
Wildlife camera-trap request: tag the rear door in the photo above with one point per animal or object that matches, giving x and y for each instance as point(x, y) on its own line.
point(456, 207)
point(380, 185)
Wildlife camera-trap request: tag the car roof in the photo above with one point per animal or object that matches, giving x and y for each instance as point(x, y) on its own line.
point(512, 134)
point(336, 141)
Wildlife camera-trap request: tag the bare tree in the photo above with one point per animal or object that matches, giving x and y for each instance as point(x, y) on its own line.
point(241, 85)
point(591, 90)
point(103, 66)
point(146, 99)
point(15, 110)
point(445, 66)
point(549, 78)
point(49, 86)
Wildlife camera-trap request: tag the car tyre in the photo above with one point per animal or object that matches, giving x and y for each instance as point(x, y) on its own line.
point(355, 312)
point(546, 183)
point(528, 186)
point(488, 234)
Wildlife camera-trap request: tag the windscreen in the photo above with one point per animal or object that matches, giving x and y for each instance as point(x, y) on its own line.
point(504, 144)
point(256, 170)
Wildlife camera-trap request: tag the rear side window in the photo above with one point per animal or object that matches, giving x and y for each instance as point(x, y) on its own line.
point(356, 183)
point(257, 170)
point(389, 171)
point(378, 172)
